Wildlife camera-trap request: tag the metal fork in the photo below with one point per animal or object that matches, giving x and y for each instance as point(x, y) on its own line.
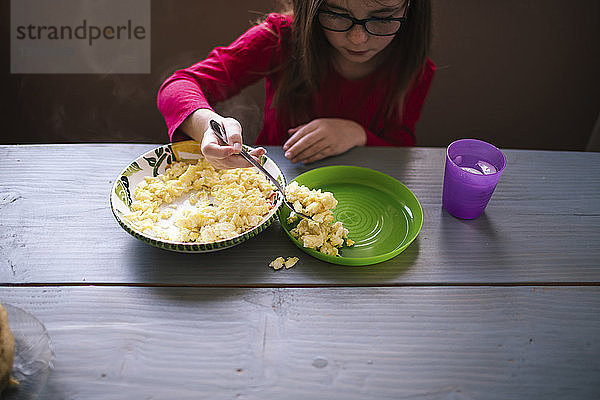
point(219, 130)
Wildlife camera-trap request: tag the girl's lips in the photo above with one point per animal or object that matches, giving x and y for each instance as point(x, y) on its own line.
point(357, 53)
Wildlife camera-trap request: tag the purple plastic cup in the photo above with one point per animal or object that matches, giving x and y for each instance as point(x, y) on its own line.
point(473, 169)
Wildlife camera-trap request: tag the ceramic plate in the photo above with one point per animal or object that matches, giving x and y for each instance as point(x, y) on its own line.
point(381, 214)
point(153, 163)
point(33, 355)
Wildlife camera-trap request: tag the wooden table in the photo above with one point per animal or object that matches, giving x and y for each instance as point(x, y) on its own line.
point(506, 306)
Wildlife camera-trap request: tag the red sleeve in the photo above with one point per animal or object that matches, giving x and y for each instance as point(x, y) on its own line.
point(224, 73)
point(403, 133)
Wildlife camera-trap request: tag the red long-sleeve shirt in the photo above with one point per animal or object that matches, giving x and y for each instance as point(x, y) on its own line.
point(257, 54)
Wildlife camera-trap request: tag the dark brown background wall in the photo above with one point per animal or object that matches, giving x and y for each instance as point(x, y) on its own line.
point(519, 73)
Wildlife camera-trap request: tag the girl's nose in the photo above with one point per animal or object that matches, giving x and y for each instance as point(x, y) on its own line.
point(358, 34)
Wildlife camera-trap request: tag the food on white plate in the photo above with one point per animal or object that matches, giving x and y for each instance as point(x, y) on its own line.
point(322, 233)
point(194, 202)
point(7, 351)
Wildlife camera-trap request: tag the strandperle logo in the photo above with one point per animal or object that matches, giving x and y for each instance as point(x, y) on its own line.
point(89, 33)
point(80, 36)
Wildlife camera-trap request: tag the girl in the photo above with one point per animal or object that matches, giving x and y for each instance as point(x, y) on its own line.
point(339, 74)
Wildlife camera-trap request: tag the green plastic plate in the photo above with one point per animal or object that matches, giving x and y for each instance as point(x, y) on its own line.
point(381, 214)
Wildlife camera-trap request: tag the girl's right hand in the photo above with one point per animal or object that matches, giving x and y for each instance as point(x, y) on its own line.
point(223, 156)
point(197, 126)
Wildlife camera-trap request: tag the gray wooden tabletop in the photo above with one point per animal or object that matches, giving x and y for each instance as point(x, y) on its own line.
point(505, 306)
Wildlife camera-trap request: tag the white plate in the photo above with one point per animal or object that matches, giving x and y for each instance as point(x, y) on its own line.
point(154, 163)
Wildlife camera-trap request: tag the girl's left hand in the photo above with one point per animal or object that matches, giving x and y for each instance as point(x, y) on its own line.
point(323, 137)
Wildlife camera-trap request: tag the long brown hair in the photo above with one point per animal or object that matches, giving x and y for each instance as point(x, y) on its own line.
point(309, 60)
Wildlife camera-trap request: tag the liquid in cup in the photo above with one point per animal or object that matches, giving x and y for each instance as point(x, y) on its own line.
point(474, 165)
point(473, 169)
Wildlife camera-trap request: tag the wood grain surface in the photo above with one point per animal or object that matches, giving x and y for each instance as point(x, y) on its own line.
point(334, 343)
point(541, 225)
point(506, 306)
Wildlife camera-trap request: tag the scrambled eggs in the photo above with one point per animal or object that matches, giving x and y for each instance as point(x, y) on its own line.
point(280, 262)
point(194, 202)
point(322, 233)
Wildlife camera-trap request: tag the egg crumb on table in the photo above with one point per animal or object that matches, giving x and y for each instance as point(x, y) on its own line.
point(277, 263)
point(194, 202)
point(280, 262)
point(290, 262)
point(322, 233)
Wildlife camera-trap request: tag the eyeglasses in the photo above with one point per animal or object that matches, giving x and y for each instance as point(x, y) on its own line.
point(333, 21)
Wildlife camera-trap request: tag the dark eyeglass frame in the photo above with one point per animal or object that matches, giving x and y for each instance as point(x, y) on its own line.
point(363, 22)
